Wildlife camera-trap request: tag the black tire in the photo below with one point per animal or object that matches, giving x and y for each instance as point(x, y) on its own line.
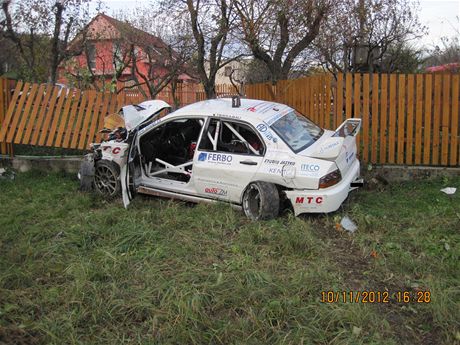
point(107, 179)
point(261, 201)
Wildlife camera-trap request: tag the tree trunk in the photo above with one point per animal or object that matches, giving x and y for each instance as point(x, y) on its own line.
point(210, 89)
point(55, 42)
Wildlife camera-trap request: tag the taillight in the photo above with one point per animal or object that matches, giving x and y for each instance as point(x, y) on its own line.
point(330, 179)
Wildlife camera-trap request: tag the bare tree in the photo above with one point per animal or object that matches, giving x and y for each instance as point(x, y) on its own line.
point(360, 35)
point(42, 28)
point(279, 32)
point(168, 58)
point(212, 23)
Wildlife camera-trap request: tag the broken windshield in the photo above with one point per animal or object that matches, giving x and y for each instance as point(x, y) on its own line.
point(297, 131)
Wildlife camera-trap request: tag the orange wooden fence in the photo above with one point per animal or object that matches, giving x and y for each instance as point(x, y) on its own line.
point(407, 119)
point(42, 115)
point(5, 97)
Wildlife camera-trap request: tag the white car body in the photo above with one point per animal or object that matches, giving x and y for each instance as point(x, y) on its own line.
point(208, 173)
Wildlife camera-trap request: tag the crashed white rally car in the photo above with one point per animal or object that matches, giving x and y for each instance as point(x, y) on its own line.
point(253, 154)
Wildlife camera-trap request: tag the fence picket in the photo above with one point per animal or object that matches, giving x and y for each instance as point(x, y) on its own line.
point(410, 120)
point(57, 118)
point(445, 120)
point(85, 125)
point(418, 120)
point(437, 113)
point(383, 119)
point(454, 159)
point(392, 121)
point(41, 115)
point(427, 123)
point(17, 112)
point(70, 124)
point(25, 116)
point(49, 115)
point(65, 116)
point(365, 118)
point(401, 117)
point(375, 118)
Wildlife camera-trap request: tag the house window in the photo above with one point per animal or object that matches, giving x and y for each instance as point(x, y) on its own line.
point(91, 52)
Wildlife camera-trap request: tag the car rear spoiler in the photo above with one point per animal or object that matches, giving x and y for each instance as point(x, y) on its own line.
point(350, 127)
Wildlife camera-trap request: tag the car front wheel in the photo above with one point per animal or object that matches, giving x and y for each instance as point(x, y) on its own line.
point(261, 201)
point(106, 179)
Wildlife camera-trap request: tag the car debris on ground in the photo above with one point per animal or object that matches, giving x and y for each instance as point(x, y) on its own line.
point(7, 174)
point(449, 190)
point(348, 225)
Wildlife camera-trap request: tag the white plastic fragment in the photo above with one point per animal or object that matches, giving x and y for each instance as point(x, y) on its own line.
point(348, 224)
point(6, 174)
point(449, 190)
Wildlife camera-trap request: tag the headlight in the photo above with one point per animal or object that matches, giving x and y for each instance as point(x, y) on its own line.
point(330, 179)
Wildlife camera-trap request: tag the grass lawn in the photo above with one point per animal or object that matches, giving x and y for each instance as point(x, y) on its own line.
point(75, 269)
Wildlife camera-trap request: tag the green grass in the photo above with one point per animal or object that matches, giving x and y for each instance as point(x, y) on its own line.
point(75, 269)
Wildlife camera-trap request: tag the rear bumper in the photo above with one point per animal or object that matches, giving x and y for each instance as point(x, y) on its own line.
point(325, 200)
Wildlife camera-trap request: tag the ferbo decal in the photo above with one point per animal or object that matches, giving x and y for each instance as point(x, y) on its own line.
point(215, 158)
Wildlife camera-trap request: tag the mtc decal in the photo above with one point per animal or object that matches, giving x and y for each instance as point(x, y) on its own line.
point(216, 191)
point(309, 200)
point(216, 158)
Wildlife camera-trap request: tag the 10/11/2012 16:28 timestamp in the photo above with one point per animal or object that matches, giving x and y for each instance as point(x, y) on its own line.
point(366, 296)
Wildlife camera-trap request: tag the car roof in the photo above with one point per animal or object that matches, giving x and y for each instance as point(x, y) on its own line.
point(252, 110)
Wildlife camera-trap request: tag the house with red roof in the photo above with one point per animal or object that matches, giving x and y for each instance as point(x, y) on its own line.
point(113, 54)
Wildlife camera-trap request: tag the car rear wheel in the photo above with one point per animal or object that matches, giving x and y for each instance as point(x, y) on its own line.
point(261, 201)
point(106, 179)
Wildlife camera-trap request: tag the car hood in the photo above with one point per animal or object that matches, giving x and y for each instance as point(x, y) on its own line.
point(134, 115)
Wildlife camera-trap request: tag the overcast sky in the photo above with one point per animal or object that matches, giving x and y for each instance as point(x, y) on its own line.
point(440, 16)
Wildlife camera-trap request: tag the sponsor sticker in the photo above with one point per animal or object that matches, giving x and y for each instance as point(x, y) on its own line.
point(262, 128)
point(277, 161)
point(349, 157)
point(229, 116)
point(215, 191)
point(309, 167)
point(215, 158)
point(309, 200)
point(275, 171)
point(329, 147)
point(220, 183)
point(310, 170)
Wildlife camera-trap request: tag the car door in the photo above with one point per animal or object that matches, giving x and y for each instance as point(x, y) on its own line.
point(227, 158)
